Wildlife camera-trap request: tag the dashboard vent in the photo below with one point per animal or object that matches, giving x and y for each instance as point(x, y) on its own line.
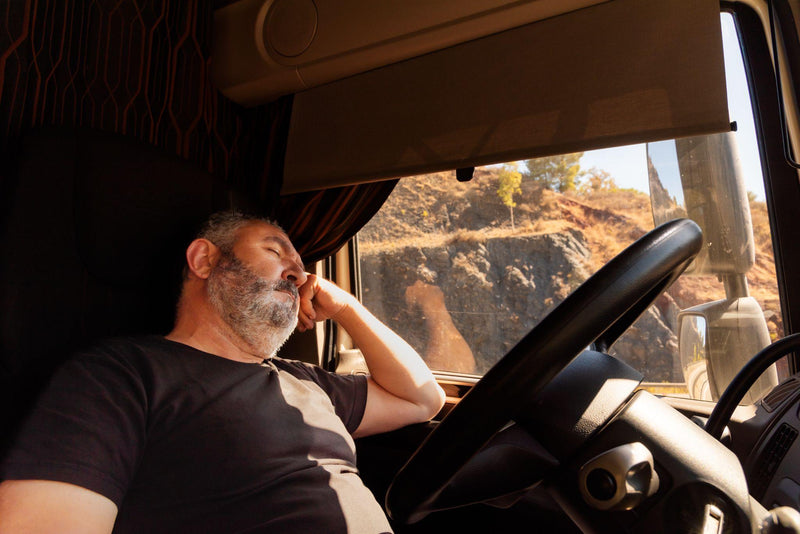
point(772, 457)
point(779, 394)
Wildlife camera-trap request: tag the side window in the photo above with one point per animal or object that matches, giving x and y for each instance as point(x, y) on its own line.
point(464, 270)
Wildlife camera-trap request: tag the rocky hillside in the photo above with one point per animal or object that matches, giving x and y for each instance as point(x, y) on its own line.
point(499, 281)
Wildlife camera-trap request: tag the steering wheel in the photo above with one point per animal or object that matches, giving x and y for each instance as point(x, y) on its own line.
point(745, 379)
point(598, 311)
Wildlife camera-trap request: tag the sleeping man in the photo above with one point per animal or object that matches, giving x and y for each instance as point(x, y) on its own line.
point(205, 429)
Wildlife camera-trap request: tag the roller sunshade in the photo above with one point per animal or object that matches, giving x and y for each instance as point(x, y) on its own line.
point(621, 72)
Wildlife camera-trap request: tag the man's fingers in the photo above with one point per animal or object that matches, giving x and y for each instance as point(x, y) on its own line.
point(303, 323)
point(306, 314)
point(306, 304)
point(320, 299)
point(307, 308)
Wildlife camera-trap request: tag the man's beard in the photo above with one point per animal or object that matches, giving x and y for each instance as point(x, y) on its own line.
point(250, 306)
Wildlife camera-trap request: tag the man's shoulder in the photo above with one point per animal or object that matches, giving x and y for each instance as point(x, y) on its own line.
point(123, 342)
point(296, 367)
point(146, 359)
point(291, 364)
point(128, 351)
point(309, 371)
point(123, 345)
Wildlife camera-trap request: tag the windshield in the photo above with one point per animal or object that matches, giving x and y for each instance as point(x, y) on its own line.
point(463, 270)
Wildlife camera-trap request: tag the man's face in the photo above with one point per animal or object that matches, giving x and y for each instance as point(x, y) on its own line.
point(256, 293)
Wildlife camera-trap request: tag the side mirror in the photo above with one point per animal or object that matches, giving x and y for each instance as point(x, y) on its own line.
point(714, 339)
point(701, 178)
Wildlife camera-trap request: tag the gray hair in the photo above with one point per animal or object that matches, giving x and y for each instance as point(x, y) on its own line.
point(221, 228)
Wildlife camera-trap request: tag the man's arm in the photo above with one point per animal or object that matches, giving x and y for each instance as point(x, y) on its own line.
point(47, 507)
point(401, 388)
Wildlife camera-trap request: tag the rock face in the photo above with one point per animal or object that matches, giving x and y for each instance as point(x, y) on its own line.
point(497, 289)
point(499, 282)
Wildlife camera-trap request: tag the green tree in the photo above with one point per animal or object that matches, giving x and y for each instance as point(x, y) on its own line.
point(596, 180)
point(559, 173)
point(509, 185)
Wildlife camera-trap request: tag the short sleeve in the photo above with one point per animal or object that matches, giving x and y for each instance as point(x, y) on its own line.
point(348, 393)
point(87, 428)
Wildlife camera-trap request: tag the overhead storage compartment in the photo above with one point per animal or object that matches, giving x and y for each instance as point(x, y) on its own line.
point(265, 49)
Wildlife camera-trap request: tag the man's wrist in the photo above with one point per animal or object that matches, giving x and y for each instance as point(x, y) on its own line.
point(349, 304)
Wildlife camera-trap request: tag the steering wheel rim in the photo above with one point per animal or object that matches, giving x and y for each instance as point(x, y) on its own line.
point(721, 414)
point(599, 309)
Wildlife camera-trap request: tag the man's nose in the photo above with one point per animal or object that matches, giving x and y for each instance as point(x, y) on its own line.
point(295, 274)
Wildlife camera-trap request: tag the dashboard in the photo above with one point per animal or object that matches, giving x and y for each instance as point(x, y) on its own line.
point(772, 458)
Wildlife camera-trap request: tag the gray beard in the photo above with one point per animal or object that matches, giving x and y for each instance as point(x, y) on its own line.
point(249, 306)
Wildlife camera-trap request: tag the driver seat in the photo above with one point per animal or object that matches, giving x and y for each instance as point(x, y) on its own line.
point(93, 230)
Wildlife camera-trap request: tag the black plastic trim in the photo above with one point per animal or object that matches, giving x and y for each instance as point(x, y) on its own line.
point(782, 186)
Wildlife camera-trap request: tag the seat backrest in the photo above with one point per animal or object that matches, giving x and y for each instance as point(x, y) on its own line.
point(92, 236)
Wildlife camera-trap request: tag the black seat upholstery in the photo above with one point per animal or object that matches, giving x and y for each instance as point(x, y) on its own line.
point(92, 234)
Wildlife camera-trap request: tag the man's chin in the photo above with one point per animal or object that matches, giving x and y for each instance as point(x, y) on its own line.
point(287, 323)
point(272, 338)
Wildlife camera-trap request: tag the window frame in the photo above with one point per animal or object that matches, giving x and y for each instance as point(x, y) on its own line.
point(780, 185)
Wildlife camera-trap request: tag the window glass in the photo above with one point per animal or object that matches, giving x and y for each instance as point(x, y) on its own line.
point(463, 270)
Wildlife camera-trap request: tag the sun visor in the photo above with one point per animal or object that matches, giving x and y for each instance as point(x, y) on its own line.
point(620, 72)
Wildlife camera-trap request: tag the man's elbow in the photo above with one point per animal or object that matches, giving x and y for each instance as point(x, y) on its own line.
point(434, 402)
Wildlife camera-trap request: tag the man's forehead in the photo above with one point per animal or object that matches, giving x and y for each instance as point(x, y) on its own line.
point(263, 231)
point(260, 230)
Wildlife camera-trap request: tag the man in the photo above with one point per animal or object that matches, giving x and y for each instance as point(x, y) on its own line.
point(205, 430)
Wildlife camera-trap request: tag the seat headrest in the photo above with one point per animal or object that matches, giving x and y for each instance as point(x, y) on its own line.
point(136, 207)
point(93, 232)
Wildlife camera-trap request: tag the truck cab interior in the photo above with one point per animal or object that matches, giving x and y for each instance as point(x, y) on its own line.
point(618, 356)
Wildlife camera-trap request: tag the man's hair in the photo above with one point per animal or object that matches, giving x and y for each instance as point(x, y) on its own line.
point(221, 227)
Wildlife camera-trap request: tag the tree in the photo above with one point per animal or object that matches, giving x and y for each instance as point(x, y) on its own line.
point(559, 173)
point(596, 180)
point(509, 185)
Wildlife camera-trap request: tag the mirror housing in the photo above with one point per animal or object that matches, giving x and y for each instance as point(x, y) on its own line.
point(716, 339)
point(701, 178)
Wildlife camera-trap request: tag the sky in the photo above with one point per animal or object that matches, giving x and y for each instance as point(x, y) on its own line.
point(628, 164)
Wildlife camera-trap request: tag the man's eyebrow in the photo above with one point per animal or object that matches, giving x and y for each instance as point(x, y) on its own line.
point(286, 245)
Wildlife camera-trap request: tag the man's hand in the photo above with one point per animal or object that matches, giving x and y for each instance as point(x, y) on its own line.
point(320, 299)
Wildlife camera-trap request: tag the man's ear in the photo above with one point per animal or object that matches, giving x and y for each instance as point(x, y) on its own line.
point(201, 256)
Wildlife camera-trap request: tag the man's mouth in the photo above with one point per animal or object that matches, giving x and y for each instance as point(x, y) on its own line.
point(287, 288)
point(285, 292)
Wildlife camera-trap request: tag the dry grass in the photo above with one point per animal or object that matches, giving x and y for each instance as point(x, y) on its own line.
point(464, 236)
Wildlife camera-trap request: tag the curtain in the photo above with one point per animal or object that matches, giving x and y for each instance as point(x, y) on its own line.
point(140, 69)
point(320, 222)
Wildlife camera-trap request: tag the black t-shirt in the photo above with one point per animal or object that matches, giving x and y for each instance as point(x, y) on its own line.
point(185, 441)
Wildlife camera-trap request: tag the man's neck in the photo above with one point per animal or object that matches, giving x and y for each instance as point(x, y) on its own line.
point(212, 335)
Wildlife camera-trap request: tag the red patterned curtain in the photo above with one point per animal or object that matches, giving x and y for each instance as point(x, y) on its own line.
point(134, 68)
point(321, 222)
point(140, 68)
